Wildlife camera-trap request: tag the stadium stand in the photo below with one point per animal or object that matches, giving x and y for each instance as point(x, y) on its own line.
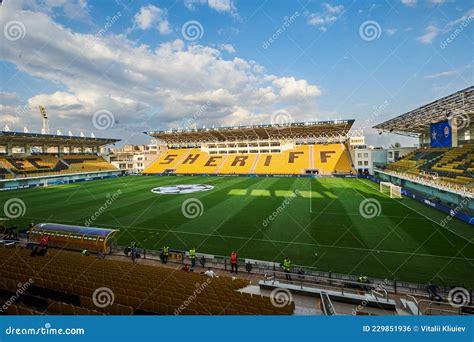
point(64, 283)
point(294, 161)
point(449, 165)
point(20, 156)
point(289, 149)
point(326, 158)
point(40, 165)
point(168, 161)
point(86, 163)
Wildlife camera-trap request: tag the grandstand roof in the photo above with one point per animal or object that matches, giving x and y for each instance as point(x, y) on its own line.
point(51, 139)
point(301, 130)
point(418, 121)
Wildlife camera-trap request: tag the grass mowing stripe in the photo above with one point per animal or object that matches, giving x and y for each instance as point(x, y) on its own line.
point(429, 218)
point(234, 214)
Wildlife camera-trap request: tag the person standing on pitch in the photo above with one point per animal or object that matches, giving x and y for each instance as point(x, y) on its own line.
point(134, 252)
point(192, 256)
point(165, 253)
point(233, 262)
point(287, 268)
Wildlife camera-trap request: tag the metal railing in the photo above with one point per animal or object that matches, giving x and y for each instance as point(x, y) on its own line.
point(342, 285)
point(326, 304)
point(461, 190)
point(310, 275)
point(425, 307)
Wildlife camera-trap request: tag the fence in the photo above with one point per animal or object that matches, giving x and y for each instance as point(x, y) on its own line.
point(301, 275)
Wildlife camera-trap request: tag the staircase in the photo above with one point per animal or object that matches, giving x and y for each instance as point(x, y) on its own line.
point(221, 164)
point(255, 163)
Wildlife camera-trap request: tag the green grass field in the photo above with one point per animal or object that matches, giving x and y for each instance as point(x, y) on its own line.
point(405, 241)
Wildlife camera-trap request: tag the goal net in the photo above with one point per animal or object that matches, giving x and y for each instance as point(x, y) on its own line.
point(391, 189)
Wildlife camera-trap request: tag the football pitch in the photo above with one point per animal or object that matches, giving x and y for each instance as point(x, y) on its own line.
point(353, 228)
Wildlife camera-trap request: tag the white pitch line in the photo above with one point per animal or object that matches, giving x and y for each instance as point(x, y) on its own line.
point(310, 244)
point(419, 213)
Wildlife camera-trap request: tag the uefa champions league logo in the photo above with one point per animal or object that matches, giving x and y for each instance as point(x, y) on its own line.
point(181, 189)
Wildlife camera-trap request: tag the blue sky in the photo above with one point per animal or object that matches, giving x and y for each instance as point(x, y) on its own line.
point(118, 68)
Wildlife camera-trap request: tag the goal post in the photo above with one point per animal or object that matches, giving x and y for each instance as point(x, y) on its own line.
point(385, 187)
point(393, 190)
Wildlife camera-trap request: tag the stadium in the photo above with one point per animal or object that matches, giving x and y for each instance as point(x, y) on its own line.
point(272, 219)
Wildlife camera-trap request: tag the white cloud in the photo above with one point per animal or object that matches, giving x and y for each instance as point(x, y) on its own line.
point(144, 88)
point(431, 32)
point(391, 31)
point(467, 17)
point(336, 9)
point(449, 73)
point(413, 3)
point(264, 96)
point(191, 4)
point(326, 17)
point(77, 10)
point(316, 19)
point(73, 9)
point(227, 47)
point(152, 17)
point(8, 98)
point(290, 88)
point(443, 74)
point(222, 6)
point(409, 3)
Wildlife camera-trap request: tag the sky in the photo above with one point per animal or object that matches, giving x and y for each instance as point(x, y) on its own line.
point(117, 68)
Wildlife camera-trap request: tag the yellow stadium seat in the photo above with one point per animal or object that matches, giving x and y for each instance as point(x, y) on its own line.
point(326, 159)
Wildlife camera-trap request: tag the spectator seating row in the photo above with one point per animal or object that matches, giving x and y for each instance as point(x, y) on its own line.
point(42, 165)
point(326, 158)
point(455, 165)
point(135, 288)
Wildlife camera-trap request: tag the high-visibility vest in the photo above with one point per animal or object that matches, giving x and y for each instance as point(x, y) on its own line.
point(192, 253)
point(287, 264)
point(166, 250)
point(233, 258)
